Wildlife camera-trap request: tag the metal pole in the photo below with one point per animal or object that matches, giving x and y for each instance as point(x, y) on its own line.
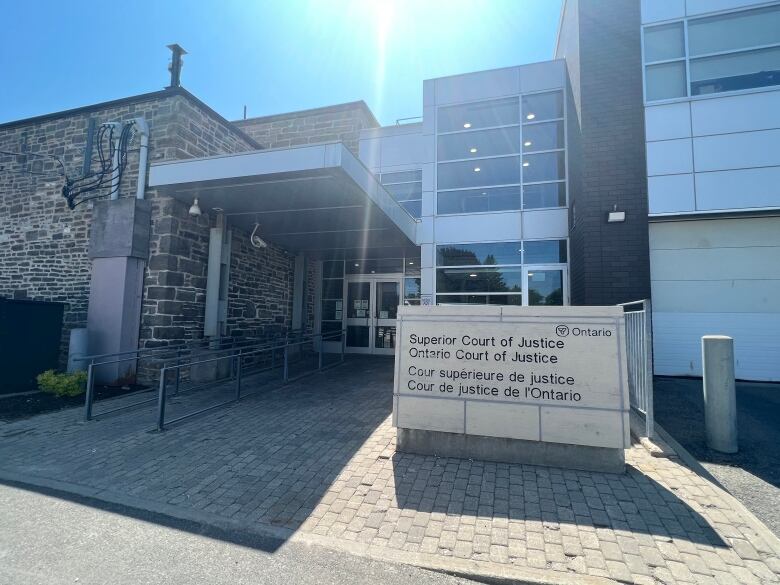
point(178, 371)
point(238, 376)
point(343, 344)
point(286, 365)
point(649, 416)
point(90, 390)
point(319, 355)
point(161, 401)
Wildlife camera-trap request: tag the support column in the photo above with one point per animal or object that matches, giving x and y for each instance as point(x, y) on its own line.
point(118, 248)
point(299, 288)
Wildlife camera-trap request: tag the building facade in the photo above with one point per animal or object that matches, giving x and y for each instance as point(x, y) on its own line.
point(641, 159)
point(712, 118)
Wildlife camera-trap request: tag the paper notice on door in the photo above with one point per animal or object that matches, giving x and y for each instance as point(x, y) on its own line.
point(338, 315)
point(383, 315)
point(364, 304)
point(339, 305)
point(356, 304)
point(361, 313)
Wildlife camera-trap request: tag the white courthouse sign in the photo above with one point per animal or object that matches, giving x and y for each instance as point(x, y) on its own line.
point(548, 374)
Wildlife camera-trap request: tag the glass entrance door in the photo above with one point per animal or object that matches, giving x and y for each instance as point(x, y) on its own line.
point(372, 308)
point(545, 286)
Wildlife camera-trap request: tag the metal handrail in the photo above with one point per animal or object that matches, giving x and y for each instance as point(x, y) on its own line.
point(639, 344)
point(237, 357)
point(166, 354)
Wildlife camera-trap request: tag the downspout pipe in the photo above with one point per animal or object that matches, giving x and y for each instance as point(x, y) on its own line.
point(143, 156)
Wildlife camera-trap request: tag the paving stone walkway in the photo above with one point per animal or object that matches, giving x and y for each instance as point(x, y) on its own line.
point(318, 456)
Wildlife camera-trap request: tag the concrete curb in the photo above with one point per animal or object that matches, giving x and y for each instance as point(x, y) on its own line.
point(481, 571)
point(693, 463)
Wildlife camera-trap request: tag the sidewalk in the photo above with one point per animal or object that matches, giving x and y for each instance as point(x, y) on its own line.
point(315, 461)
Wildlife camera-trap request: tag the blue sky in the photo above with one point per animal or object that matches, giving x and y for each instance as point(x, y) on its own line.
point(272, 56)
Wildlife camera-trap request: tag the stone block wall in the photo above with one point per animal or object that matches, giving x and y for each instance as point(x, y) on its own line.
point(342, 122)
point(43, 244)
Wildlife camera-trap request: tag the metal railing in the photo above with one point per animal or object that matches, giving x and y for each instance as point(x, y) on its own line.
point(179, 354)
point(237, 359)
point(639, 351)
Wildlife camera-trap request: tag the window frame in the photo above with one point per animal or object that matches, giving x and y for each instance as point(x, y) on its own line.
point(521, 154)
point(687, 58)
point(415, 182)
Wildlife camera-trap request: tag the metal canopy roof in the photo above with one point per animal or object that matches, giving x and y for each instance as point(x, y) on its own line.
point(319, 200)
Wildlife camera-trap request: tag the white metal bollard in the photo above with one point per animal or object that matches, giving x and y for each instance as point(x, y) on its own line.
point(720, 398)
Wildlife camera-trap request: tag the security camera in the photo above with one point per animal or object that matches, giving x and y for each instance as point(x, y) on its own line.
point(195, 208)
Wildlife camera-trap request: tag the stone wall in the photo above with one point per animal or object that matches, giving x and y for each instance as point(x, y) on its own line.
point(342, 122)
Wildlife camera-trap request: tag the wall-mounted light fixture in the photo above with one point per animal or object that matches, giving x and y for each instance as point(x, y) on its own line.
point(195, 208)
point(616, 216)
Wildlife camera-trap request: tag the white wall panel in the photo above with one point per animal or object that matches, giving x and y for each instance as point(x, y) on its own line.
point(669, 157)
point(402, 149)
point(714, 296)
point(748, 188)
point(671, 193)
point(668, 121)
point(487, 227)
point(677, 342)
point(698, 7)
point(717, 263)
point(542, 76)
point(738, 113)
point(737, 151)
point(545, 224)
point(715, 232)
point(369, 153)
point(477, 86)
point(657, 10)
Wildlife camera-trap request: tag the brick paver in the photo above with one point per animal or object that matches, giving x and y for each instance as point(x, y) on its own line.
point(319, 456)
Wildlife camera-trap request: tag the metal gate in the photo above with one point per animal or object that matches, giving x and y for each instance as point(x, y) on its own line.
point(639, 349)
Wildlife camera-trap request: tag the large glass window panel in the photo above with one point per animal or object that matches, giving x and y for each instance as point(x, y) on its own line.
point(542, 106)
point(358, 300)
point(735, 71)
point(401, 177)
point(387, 300)
point(405, 191)
point(413, 207)
point(478, 200)
point(412, 290)
point(665, 81)
point(479, 280)
point(547, 136)
point(545, 287)
point(333, 269)
point(738, 30)
point(332, 288)
point(479, 115)
point(544, 251)
point(664, 42)
point(479, 144)
point(544, 167)
point(544, 195)
point(488, 254)
point(478, 173)
point(375, 266)
point(332, 310)
point(479, 299)
point(358, 335)
point(331, 330)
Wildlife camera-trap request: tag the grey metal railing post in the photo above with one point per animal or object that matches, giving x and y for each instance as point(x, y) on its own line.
point(649, 419)
point(343, 343)
point(238, 376)
point(90, 390)
point(161, 401)
point(319, 355)
point(178, 371)
point(286, 364)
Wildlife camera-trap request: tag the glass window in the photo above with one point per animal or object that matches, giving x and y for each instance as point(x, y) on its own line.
point(405, 191)
point(544, 195)
point(516, 299)
point(401, 177)
point(665, 81)
point(735, 71)
point(479, 144)
point(375, 266)
point(545, 287)
point(479, 254)
point(729, 32)
point(495, 171)
point(331, 330)
point(412, 289)
point(413, 207)
point(332, 288)
point(478, 200)
point(478, 115)
point(332, 269)
point(478, 280)
point(542, 106)
point(544, 252)
point(664, 42)
point(548, 136)
point(544, 167)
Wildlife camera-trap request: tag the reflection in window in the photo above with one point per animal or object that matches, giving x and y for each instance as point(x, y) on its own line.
point(478, 115)
point(665, 42)
point(735, 71)
point(542, 106)
point(479, 280)
point(332, 294)
point(547, 136)
point(479, 200)
point(406, 188)
point(478, 173)
point(545, 287)
point(734, 31)
point(515, 299)
point(495, 142)
point(544, 252)
point(548, 166)
point(665, 81)
point(490, 254)
point(543, 195)
point(412, 289)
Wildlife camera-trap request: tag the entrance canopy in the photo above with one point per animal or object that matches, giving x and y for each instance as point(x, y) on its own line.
point(319, 200)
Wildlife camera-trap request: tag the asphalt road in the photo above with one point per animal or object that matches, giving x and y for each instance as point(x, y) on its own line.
point(753, 474)
point(45, 540)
